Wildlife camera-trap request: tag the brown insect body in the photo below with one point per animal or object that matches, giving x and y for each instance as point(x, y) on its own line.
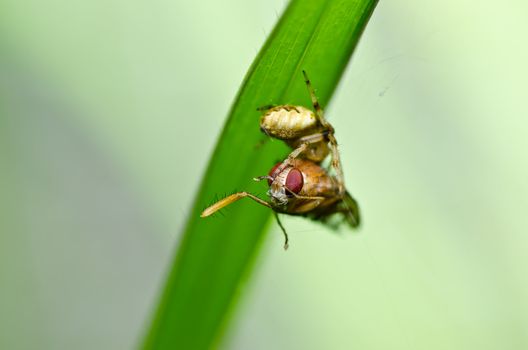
point(315, 183)
point(299, 185)
point(318, 197)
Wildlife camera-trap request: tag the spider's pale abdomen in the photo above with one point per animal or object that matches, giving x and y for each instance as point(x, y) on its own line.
point(288, 122)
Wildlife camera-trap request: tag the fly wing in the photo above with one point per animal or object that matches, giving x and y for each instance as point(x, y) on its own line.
point(344, 210)
point(350, 209)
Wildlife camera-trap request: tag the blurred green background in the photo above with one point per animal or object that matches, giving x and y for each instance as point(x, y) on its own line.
point(110, 111)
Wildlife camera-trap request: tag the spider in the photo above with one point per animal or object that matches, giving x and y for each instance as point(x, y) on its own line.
point(300, 185)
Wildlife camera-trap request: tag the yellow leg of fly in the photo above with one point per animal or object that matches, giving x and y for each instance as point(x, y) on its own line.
point(237, 196)
point(231, 199)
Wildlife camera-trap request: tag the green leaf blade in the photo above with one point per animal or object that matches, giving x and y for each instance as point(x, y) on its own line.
point(217, 253)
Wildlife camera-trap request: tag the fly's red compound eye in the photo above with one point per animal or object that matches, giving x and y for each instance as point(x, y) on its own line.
point(272, 171)
point(294, 181)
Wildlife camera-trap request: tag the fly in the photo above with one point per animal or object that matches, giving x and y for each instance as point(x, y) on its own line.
point(300, 185)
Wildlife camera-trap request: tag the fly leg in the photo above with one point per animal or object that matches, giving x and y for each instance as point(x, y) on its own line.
point(231, 199)
point(283, 231)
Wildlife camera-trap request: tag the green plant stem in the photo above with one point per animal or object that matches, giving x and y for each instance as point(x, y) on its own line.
point(216, 254)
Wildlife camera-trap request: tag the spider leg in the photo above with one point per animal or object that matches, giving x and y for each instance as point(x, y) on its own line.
point(291, 157)
point(336, 161)
point(265, 108)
